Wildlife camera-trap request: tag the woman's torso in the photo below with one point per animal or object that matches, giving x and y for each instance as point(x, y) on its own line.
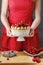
point(20, 11)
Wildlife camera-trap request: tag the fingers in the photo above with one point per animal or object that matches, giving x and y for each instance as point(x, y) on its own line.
point(9, 33)
point(31, 33)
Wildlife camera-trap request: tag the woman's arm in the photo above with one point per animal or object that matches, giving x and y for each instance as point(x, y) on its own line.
point(3, 14)
point(36, 22)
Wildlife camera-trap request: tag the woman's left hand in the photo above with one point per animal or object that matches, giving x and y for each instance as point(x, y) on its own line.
point(31, 34)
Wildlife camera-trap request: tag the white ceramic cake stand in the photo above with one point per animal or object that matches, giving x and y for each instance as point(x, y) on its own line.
point(20, 34)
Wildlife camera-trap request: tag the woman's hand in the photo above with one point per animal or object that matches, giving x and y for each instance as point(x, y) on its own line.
point(8, 31)
point(31, 34)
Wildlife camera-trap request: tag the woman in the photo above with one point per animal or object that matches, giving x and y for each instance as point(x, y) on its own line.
point(20, 10)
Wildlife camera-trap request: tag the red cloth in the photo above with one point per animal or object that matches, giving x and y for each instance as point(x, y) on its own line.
point(20, 10)
point(0, 39)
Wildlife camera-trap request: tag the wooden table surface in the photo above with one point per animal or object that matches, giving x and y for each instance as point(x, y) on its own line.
point(20, 59)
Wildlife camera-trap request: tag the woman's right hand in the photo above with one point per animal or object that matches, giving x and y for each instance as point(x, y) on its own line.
point(8, 32)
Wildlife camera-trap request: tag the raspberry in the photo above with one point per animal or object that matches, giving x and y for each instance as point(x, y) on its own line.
point(37, 59)
point(40, 50)
point(34, 59)
point(7, 58)
point(30, 52)
point(33, 52)
point(0, 61)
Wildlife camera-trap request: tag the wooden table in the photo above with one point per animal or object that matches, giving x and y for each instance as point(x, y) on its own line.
point(20, 59)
